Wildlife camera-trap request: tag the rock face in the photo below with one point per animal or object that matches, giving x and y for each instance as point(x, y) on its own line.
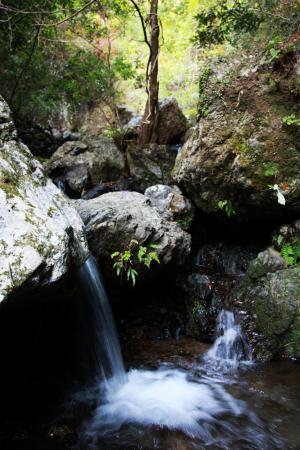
point(241, 145)
point(115, 219)
point(169, 201)
point(172, 124)
point(150, 164)
point(269, 297)
point(40, 233)
point(205, 291)
point(82, 165)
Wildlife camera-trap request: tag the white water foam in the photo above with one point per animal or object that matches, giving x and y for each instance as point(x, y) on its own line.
point(230, 346)
point(165, 398)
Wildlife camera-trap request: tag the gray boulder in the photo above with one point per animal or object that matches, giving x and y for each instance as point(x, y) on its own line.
point(269, 301)
point(150, 164)
point(172, 123)
point(113, 220)
point(170, 201)
point(40, 233)
point(82, 165)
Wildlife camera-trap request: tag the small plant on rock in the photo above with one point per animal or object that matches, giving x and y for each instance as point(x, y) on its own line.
point(291, 120)
point(127, 262)
point(226, 205)
point(291, 253)
point(271, 169)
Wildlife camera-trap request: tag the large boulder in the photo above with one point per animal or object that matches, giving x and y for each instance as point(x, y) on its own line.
point(172, 123)
point(150, 164)
point(170, 201)
point(269, 303)
point(82, 165)
point(40, 233)
point(113, 220)
point(242, 145)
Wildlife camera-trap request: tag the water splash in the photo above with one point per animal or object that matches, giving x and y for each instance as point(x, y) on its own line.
point(128, 405)
point(166, 398)
point(230, 345)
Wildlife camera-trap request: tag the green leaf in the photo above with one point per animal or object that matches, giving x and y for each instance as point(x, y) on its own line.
point(141, 253)
point(154, 246)
point(114, 255)
point(154, 257)
point(279, 239)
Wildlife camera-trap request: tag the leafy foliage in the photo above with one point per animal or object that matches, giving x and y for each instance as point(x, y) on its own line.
point(216, 23)
point(50, 55)
point(291, 253)
point(226, 205)
point(271, 169)
point(127, 262)
point(291, 120)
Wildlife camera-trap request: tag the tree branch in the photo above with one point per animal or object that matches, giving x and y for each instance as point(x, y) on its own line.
point(142, 22)
point(55, 24)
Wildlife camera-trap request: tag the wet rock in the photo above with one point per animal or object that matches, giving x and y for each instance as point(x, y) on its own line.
point(269, 298)
point(266, 262)
point(40, 233)
point(201, 306)
point(170, 201)
point(218, 267)
point(82, 165)
point(241, 145)
point(150, 164)
point(113, 220)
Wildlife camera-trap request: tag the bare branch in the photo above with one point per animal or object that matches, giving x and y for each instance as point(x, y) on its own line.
point(142, 22)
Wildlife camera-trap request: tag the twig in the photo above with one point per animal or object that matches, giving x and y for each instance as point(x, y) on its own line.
point(55, 24)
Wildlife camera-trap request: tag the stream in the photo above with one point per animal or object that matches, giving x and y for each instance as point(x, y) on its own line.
point(174, 394)
point(209, 401)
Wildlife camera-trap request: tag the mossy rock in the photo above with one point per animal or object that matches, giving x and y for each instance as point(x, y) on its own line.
point(242, 146)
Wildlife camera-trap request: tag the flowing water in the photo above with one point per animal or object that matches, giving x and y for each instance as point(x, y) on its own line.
point(230, 345)
point(107, 351)
point(184, 406)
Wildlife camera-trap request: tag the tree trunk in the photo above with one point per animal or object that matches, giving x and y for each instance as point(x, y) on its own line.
point(149, 125)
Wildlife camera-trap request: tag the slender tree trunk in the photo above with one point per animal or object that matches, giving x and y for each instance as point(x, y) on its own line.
point(149, 124)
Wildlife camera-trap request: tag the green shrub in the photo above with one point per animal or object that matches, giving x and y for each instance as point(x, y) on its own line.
point(126, 262)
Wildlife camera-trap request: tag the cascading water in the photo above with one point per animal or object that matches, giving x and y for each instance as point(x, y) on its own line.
point(230, 344)
point(107, 349)
point(165, 398)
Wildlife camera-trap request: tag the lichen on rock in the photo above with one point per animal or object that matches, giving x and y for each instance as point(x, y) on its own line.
point(35, 247)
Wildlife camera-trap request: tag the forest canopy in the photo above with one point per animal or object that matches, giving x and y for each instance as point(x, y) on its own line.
point(78, 52)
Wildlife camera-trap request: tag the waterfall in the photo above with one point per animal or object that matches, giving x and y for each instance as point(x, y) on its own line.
point(230, 344)
point(107, 352)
